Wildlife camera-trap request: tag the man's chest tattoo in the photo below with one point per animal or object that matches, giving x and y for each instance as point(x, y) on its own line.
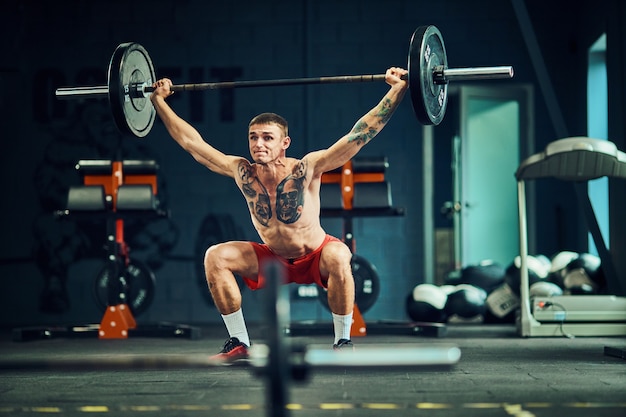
point(289, 195)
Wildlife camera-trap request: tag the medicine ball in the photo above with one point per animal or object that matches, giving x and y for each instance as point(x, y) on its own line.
point(448, 288)
point(502, 304)
point(592, 267)
point(558, 264)
point(466, 301)
point(426, 303)
point(544, 289)
point(561, 259)
point(537, 271)
point(487, 275)
point(545, 262)
point(577, 282)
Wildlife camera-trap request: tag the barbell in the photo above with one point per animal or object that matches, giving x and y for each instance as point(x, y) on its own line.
point(131, 75)
point(300, 360)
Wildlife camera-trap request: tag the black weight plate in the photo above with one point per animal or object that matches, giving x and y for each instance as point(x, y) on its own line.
point(131, 65)
point(140, 283)
point(366, 284)
point(427, 51)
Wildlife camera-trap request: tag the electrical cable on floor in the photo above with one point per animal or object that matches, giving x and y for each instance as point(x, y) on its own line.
point(564, 311)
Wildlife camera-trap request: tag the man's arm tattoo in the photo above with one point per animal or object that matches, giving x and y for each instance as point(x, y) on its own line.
point(362, 133)
point(386, 111)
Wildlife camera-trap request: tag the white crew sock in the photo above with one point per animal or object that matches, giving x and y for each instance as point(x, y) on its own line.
point(236, 326)
point(342, 326)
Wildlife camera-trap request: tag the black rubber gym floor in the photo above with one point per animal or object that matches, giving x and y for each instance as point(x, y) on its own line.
point(499, 374)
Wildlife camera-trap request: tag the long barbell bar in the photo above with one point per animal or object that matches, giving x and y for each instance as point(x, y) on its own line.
point(142, 88)
point(440, 76)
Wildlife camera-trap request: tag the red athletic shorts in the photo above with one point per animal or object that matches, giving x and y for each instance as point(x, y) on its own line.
point(303, 270)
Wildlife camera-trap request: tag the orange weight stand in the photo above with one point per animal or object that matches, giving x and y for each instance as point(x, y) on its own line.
point(118, 319)
point(347, 178)
point(116, 322)
point(359, 328)
point(372, 200)
point(108, 177)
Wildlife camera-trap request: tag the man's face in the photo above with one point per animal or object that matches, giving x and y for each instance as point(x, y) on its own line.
point(267, 142)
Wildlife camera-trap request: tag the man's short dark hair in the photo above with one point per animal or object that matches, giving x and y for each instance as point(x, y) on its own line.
point(271, 118)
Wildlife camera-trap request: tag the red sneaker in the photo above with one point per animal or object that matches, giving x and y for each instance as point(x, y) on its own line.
point(233, 350)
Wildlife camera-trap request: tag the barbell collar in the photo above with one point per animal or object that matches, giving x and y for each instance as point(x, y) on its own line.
point(368, 357)
point(444, 75)
point(67, 93)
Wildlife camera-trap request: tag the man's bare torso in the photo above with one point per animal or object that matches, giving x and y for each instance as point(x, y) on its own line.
point(284, 205)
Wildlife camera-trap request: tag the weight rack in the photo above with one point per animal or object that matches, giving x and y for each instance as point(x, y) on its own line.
point(113, 191)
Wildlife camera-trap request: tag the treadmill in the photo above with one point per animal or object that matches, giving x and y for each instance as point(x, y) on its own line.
point(578, 160)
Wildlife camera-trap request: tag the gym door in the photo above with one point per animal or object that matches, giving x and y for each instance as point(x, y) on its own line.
point(494, 123)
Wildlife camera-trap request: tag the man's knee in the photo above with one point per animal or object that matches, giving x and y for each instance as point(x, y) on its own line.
point(213, 256)
point(220, 257)
point(336, 261)
point(233, 257)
